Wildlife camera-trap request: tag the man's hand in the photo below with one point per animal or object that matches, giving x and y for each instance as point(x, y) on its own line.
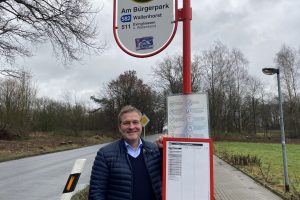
point(159, 140)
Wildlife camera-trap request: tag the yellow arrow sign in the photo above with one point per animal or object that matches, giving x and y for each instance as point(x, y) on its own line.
point(145, 120)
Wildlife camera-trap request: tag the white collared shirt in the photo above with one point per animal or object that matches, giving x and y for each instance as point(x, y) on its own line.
point(134, 152)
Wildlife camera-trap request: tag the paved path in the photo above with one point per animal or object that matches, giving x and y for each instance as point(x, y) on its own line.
point(231, 184)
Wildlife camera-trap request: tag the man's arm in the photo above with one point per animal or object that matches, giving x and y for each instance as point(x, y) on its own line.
point(99, 178)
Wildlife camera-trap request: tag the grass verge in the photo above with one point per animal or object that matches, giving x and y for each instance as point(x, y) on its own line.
point(81, 195)
point(42, 143)
point(264, 163)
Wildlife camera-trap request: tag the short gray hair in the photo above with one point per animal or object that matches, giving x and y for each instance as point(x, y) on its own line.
point(128, 109)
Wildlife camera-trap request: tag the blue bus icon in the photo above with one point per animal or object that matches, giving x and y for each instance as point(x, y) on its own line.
point(126, 18)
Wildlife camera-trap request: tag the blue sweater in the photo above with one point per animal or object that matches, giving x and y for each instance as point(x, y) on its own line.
point(142, 188)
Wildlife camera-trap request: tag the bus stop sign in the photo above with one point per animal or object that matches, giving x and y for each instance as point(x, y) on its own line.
point(143, 28)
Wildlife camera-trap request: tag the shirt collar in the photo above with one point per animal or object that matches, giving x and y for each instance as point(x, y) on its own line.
point(129, 146)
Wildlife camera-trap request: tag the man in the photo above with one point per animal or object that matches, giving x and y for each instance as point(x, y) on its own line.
point(129, 168)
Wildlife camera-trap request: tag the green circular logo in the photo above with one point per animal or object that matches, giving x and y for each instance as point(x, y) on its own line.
point(142, 1)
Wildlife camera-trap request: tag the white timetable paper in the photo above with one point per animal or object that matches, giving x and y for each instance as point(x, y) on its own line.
point(188, 116)
point(187, 170)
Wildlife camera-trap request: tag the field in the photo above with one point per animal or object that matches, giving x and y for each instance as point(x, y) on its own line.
point(264, 163)
point(41, 143)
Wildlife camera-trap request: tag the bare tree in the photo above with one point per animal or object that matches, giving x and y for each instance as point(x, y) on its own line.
point(69, 25)
point(234, 89)
point(15, 73)
point(129, 89)
point(254, 89)
point(288, 63)
point(168, 74)
point(221, 72)
point(16, 100)
point(217, 64)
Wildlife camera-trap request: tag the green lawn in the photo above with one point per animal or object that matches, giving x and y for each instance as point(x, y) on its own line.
point(270, 169)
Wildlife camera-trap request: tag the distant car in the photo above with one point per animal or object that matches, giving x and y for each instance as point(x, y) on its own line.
point(165, 129)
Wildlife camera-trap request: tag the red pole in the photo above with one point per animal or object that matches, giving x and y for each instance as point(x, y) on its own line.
point(187, 17)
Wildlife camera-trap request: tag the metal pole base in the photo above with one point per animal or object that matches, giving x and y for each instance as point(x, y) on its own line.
point(287, 188)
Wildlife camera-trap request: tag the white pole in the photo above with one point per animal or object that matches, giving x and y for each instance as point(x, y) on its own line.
point(73, 179)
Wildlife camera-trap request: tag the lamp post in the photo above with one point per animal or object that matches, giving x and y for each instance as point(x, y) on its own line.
point(272, 71)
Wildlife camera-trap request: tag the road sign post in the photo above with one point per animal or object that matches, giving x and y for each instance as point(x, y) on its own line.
point(145, 120)
point(143, 28)
point(186, 17)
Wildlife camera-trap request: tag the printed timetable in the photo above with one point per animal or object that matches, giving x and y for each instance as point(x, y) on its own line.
point(188, 169)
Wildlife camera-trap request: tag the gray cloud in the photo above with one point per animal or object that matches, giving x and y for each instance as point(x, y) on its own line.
point(257, 27)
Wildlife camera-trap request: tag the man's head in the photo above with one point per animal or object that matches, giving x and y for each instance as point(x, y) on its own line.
point(130, 125)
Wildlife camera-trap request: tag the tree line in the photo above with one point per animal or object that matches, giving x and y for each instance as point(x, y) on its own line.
point(21, 111)
point(238, 101)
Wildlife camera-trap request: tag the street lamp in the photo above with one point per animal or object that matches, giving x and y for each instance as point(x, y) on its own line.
point(272, 71)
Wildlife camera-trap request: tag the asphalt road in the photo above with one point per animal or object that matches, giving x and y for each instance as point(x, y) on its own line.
point(44, 177)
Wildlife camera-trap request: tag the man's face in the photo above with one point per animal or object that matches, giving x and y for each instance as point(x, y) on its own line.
point(131, 128)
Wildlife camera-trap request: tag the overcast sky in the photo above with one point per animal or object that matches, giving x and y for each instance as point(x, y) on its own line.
point(256, 27)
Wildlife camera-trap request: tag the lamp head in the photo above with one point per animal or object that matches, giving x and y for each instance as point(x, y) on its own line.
point(270, 71)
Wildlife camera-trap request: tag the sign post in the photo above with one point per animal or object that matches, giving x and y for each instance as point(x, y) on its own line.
point(143, 28)
point(145, 120)
point(186, 17)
